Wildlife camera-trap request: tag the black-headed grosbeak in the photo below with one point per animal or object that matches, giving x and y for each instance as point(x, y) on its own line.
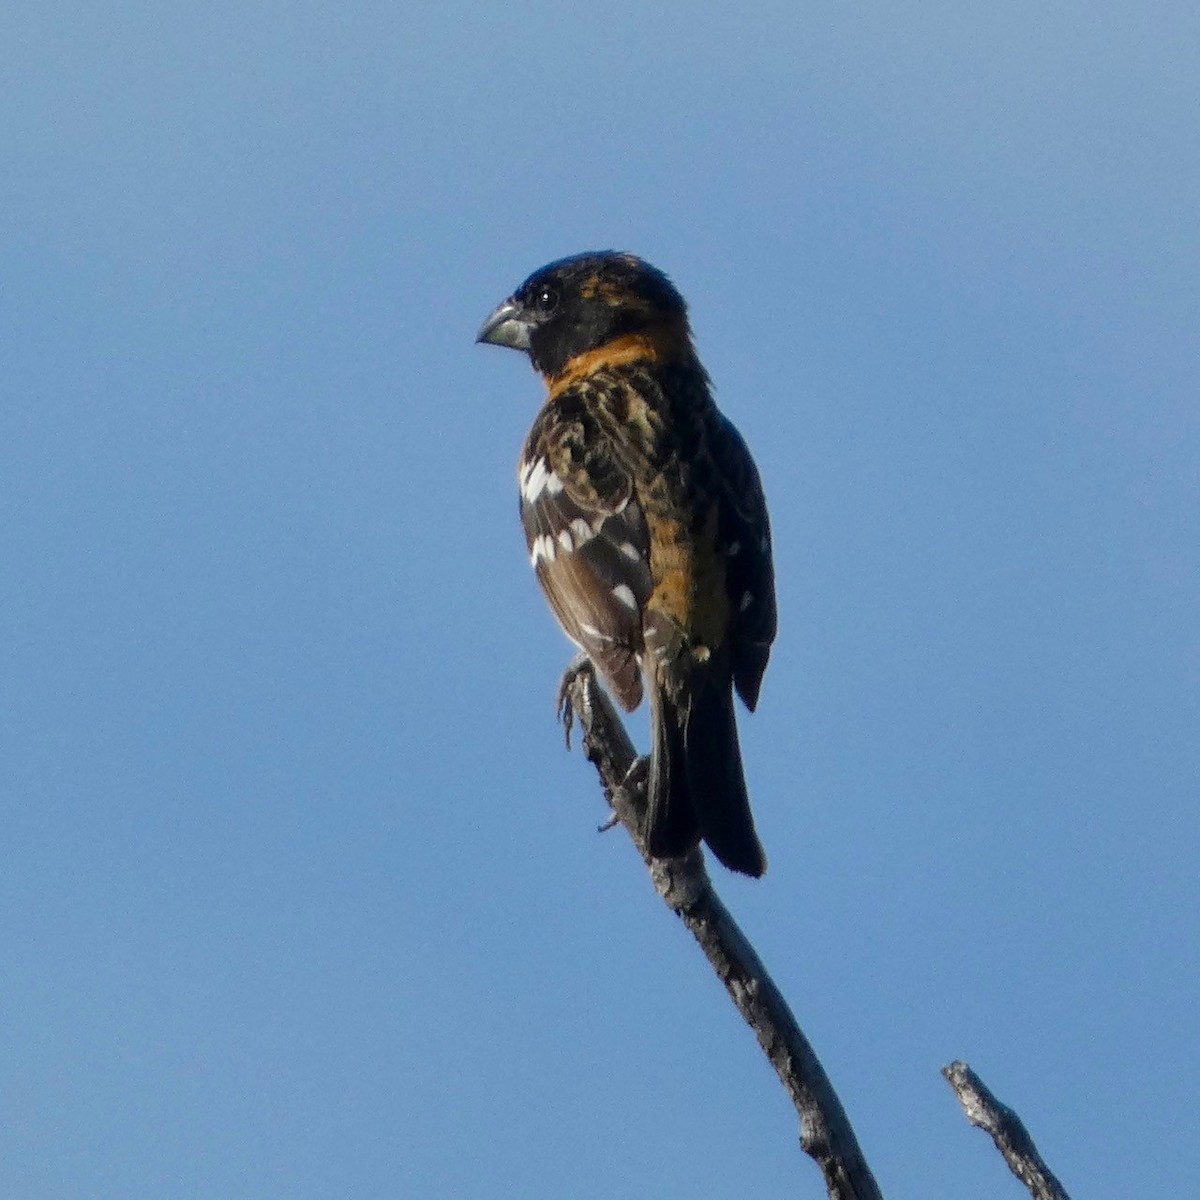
point(646, 524)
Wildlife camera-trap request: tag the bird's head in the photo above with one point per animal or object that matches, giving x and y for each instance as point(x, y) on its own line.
point(583, 304)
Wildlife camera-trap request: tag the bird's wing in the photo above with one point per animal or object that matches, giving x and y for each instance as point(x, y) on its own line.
point(588, 542)
point(750, 570)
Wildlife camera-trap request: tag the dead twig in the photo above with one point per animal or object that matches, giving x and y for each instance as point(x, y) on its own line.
point(1007, 1131)
point(684, 885)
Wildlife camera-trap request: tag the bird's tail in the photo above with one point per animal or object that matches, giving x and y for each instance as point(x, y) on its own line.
point(697, 788)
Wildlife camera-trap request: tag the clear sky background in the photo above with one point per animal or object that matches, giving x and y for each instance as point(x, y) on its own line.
point(300, 895)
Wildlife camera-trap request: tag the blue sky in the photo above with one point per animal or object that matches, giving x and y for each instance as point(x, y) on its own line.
point(300, 895)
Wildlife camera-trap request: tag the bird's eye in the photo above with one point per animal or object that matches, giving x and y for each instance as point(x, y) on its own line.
point(546, 300)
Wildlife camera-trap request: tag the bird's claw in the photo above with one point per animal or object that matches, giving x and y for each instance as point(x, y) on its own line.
point(636, 777)
point(633, 783)
point(566, 710)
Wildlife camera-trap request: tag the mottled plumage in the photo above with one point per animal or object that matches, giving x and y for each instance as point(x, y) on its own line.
point(646, 524)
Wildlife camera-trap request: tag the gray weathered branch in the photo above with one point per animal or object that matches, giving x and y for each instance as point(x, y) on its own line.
point(1007, 1131)
point(683, 883)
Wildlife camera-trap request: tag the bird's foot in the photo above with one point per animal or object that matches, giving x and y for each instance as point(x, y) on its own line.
point(634, 782)
point(566, 710)
point(637, 776)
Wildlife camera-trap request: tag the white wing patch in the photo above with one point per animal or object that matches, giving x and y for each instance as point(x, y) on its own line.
point(533, 479)
point(542, 549)
point(624, 593)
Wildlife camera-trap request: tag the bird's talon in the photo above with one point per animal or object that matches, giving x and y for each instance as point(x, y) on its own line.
point(565, 709)
point(636, 777)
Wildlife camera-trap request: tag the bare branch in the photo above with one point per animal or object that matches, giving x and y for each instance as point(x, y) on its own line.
point(1007, 1131)
point(683, 883)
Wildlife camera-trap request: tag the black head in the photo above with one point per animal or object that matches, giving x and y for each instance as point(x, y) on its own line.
point(582, 303)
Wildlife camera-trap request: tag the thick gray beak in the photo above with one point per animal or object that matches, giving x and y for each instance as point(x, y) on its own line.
point(506, 327)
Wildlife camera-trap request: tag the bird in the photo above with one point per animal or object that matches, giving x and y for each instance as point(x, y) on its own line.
point(646, 524)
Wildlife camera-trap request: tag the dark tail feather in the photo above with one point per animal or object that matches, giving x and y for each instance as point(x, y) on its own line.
point(715, 779)
point(696, 784)
point(671, 826)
